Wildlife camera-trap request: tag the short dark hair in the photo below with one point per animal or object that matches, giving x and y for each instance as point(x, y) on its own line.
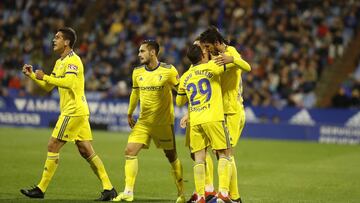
point(69, 34)
point(152, 44)
point(212, 35)
point(194, 53)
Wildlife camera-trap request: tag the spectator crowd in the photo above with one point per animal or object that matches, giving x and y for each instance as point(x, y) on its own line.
point(288, 43)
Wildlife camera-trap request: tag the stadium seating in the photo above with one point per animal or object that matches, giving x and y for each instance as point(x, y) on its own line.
point(288, 45)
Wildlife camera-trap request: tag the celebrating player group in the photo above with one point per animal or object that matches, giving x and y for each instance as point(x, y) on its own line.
point(211, 89)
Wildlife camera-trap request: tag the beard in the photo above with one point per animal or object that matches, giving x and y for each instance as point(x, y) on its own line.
point(145, 62)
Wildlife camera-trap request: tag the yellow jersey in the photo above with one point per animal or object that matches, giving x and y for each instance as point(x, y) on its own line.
point(231, 85)
point(201, 85)
point(68, 76)
point(155, 93)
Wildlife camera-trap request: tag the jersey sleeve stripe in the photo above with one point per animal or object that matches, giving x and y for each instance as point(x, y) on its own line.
point(71, 73)
point(181, 94)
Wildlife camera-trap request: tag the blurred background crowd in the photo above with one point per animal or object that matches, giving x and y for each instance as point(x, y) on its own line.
point(289, 44)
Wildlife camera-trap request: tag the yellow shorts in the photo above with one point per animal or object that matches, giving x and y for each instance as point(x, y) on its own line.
point(214, 134)
point(235, 123)
point(162, 135)
point(72, 128)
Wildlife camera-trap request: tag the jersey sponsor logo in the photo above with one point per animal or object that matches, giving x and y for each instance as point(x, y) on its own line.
point(152, 88)
point(199, 108)
point(73, 67)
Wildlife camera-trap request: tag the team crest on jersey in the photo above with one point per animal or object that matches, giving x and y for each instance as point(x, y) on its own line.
point(73, 67)
point(160, 76)
point(141, 78)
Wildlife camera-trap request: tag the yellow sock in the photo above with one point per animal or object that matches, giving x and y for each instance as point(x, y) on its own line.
point(131, 169)
point(224, 171)
point(51, 164)
point(234, 190)
point(177, 172)
point(199, 178)
point(98, 167)
point(209, 173)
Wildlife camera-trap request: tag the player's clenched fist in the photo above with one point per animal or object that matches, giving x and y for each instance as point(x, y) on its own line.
point(27, 69)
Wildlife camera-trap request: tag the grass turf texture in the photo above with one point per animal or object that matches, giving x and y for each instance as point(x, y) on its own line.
point(269, 170)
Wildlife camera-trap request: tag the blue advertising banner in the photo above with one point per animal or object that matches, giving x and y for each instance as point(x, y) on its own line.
point(44, 112)
point(323, 125)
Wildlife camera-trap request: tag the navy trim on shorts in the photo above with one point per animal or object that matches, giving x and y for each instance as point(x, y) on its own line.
point(227, 136)
point(63, 127)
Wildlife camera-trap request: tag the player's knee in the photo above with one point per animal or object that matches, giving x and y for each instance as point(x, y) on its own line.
point(223, 153)
point(54, 146)
point(51, 148)
point(129, 151)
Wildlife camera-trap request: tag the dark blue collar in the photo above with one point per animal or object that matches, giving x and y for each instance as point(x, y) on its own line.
point(146, 68)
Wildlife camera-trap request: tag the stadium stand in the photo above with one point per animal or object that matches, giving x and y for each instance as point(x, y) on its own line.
point(290, 44)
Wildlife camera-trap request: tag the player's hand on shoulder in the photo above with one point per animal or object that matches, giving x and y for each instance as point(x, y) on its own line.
point(131, 121)
point(223, 59)
point(39, 74)
point(27, 69)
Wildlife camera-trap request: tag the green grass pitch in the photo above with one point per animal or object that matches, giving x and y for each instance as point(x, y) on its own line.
point(269, 170)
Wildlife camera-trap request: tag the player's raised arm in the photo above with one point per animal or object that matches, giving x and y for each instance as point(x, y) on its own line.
point(242, 64)
point(231, 61)
point(67, 81)
point(28, 71)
